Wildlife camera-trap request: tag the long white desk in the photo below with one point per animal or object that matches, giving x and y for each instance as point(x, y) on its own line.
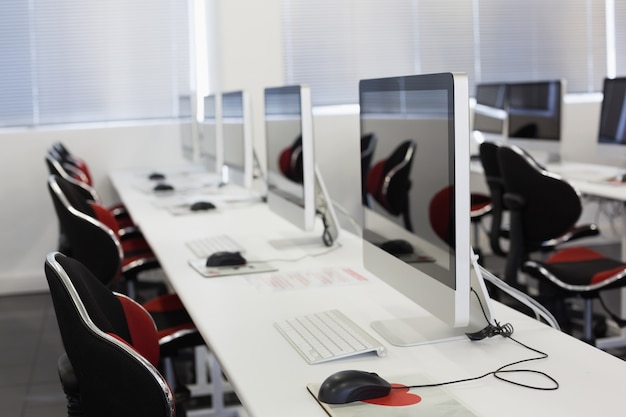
point(236, 318)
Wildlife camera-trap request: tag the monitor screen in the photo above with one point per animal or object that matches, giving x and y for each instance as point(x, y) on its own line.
point(237, 138)
point(210, 139)
point(489, 112)
point(418, 197)
point(290, 154)
point(491, 95)
point(534, 115)
point(613, 112)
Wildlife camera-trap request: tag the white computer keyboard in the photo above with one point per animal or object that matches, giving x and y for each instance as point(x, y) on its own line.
point(204, 247)
point(327, 335)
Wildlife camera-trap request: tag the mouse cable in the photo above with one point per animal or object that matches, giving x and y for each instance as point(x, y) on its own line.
point(333, 248)
point(505, 331)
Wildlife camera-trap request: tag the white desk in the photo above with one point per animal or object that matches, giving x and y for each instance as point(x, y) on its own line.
point(236, 319)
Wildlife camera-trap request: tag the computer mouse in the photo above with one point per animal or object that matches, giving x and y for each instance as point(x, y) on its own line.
point(397, 247)
point(352, 385)
point(201, 206)
point(226, 259)
point(163, 187)
point(156, 176)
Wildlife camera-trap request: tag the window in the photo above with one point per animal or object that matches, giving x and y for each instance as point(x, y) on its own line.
point(620, 38)
point(331, 45)
point(75, 61)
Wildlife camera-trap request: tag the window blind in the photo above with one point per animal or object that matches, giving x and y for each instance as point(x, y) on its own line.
point(74, 61)
point(620, 38)
point(539, 39)
point(330, 45)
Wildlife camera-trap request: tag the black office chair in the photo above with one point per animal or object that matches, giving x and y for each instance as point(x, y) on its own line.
point(498, 231)
point(543, 207)
point(388, 182)
point(111, 344)
point(58, 165)
point(92, 236)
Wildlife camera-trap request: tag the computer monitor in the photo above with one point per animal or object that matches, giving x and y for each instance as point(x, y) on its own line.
point(490, 117)
point(186, 131)
point(295, 189)
point(612, 129)
point(210, 140)
point(422, 125)
point(534, 116)
point(237, 140)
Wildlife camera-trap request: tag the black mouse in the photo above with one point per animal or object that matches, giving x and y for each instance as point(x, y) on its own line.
point(156, 176)
point(397, 247)
point(226, 259)
point(163, 187)
point(351, 385)
point(201, 205)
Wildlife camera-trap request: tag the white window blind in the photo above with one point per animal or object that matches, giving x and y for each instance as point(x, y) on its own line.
point(330, 45)
point(72, 61)
point(539, 39)
point(620, 37)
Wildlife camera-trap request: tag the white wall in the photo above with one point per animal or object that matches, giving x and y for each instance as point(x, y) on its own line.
point(29, 225)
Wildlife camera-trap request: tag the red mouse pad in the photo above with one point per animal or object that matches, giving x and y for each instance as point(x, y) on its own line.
point(396, 398)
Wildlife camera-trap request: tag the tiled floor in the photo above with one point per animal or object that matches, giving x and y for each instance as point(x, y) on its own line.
point(29, 347)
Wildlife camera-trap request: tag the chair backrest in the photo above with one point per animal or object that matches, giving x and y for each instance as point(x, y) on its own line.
point(550, 205)
point(92, 242)
point(542, 205)
point(111, 342)
point(388, 182)
point(59, 165)
point(78, 165)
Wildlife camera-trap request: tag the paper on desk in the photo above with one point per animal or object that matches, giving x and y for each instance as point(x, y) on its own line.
point(290, 280)
point(416, 402)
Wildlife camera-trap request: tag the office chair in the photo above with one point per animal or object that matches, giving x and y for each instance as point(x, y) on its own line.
point(368, 146)
point(388, 182)
point(543, 207)
point(73, 162)
point(57, 165)
point(111, 347)
point(91, 233)
point(498, 230)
